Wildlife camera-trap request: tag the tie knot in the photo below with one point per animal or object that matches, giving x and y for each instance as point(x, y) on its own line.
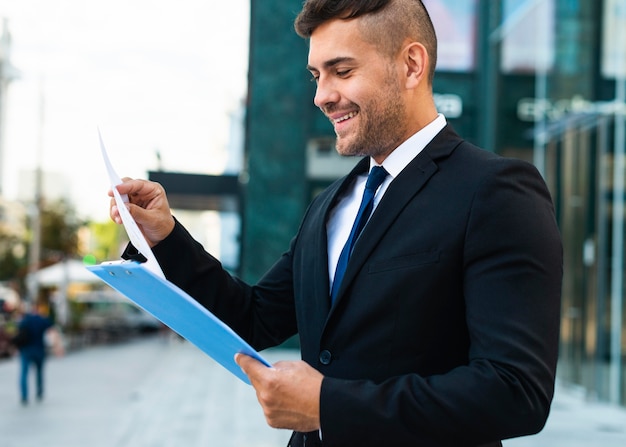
point(375, 178)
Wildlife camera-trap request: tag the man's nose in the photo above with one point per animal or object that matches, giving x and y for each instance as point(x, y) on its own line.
point(326, 93)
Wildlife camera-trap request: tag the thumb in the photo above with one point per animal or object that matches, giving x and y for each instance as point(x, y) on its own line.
point(250, 366)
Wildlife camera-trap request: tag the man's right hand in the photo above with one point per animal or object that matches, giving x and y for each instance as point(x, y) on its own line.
point(149, 207)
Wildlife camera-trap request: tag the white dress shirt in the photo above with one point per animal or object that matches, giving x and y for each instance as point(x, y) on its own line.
point(342, 216)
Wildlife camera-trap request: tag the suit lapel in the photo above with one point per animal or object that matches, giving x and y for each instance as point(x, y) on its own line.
point(320, 281)
point(400, 192)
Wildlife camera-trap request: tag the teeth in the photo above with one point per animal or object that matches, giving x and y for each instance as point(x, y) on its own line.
point(346, 117)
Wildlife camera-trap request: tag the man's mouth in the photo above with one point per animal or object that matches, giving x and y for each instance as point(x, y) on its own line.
point(345, 117)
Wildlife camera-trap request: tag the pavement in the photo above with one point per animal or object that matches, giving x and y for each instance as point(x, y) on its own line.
point(576, 421)
point(154, 392)
point(163, 392)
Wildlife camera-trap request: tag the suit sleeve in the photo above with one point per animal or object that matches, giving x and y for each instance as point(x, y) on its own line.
point(512, 271)
point(262, 314)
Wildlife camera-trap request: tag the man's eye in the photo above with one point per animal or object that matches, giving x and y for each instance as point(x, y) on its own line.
point(314, 79)
point(343, 73)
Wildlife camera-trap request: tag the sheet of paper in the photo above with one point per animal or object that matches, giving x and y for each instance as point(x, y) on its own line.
point(134, 233)
point(146, 285)
point(174, 307)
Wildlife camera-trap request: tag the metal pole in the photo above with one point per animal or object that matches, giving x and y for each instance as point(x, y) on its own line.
point(602, 255)
point(541, 86)
point(5, 42)
point(35, 246)
point(617, 267)
point(489, 60)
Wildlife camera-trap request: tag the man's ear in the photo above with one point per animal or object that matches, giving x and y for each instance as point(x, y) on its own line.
point(416, 60)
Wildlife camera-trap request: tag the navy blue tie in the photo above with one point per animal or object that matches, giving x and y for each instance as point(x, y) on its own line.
point(374, 180)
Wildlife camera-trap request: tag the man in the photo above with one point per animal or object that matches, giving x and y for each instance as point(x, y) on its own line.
point(443, 328)
point(32, 329)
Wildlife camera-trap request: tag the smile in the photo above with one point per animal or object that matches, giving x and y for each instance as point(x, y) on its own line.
point(346, 117)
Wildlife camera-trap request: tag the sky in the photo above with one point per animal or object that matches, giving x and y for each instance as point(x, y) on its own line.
point(154, 76)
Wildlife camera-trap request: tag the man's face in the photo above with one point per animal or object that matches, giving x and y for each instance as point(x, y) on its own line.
point(358, 89)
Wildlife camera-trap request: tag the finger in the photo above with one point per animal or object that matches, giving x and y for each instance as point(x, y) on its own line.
point(115, 214)
point(250, 366)
point(243, 361)
point(129, 186)
point(138, 187)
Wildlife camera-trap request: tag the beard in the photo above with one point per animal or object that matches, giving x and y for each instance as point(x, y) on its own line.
point(382, 125)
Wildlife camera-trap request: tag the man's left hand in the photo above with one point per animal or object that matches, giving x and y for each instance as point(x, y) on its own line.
point(289, 392)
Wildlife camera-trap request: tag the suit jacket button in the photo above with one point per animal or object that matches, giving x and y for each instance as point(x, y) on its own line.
point(325, 357)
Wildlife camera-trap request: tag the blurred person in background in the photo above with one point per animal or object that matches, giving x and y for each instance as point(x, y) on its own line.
point(36, 331)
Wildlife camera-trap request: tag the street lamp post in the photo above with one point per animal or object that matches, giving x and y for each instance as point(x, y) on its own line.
point(7, 74)
point(617, 264)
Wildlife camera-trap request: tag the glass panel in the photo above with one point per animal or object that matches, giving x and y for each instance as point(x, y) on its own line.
point(524, 51)
point(455, 25)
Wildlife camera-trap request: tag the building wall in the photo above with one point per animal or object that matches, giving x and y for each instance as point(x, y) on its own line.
point(277, 124)
point(581, 152)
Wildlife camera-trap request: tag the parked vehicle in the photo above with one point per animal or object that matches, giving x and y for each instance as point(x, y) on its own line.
point(7, 330)
point(9, 299)
point(107, 313)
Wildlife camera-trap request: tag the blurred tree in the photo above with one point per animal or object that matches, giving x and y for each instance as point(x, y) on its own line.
point(12, 255)
point(60, 238)
point(106, 238)
point(59, 232)
point(13, 237)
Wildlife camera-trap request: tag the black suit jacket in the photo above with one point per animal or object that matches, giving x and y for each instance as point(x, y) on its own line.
point(445, 330)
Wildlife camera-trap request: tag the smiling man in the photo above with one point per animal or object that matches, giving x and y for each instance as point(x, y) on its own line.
point(426, 295)
point(369, 83)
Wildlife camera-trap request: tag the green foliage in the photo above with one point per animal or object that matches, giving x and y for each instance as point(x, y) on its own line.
point(105, 240)
point(12, 241)
point(59, 239)
point(12, 256)
point(59, 231)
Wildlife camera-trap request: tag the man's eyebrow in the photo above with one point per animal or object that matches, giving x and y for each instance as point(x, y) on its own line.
point(332, 62)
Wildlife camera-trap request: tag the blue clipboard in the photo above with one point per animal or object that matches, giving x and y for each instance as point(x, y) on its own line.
point(175, 308)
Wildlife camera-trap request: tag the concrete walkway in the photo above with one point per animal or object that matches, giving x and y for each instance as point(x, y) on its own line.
point(148, 393)
point(576, 422)
point(159, 392)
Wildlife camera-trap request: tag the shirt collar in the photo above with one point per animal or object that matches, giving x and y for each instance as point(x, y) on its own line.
point(410, 148)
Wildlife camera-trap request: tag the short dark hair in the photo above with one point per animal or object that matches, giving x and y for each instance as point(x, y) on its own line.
point(387, 22)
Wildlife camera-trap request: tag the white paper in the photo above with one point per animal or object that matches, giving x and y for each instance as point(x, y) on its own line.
point(134, 233)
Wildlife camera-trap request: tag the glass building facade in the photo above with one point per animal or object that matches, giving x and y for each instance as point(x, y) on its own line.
point(541, 80)
point(554, 71)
